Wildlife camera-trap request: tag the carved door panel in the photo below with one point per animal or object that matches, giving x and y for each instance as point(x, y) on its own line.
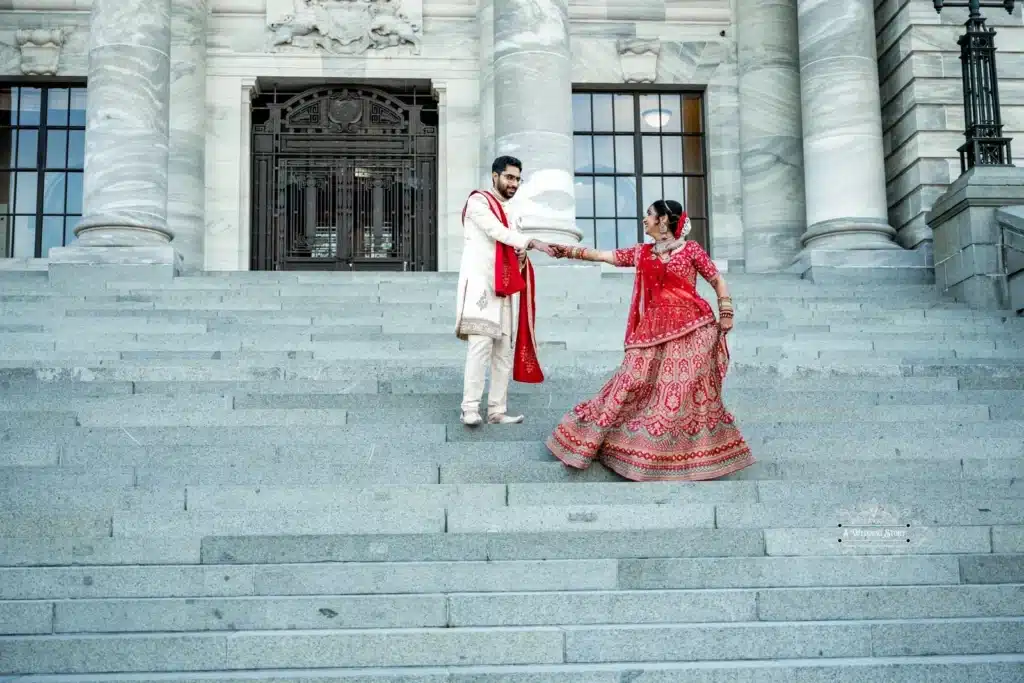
point(351, 180)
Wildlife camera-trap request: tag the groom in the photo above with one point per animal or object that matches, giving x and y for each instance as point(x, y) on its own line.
point(494, 307)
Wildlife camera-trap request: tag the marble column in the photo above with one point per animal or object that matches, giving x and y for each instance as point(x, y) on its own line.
point(533, 111)
point(844, 161)
point(124, 221)
point(485, 20)
point(771, 141)
point(186, 183)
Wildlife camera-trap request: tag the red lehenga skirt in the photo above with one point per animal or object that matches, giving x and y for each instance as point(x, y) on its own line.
point(660, 417)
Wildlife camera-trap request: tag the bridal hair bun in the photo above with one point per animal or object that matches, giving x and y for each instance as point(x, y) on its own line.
point(683, 226)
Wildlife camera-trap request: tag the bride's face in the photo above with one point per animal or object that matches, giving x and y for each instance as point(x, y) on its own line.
point(653, 224)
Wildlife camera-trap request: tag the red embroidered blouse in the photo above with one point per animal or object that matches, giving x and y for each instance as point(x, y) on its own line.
point(665, 303)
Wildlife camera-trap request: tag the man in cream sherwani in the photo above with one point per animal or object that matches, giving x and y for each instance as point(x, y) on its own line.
point(484, 319)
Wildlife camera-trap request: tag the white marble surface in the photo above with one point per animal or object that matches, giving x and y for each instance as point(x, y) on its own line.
point(722, 119)
point(844, 171)
point(485, 112)
point(126, 149)
point(186, 188)
point(774, 213)
point(533, 111)
point(226, 245)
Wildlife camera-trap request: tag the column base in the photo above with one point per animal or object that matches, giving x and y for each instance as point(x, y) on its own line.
point(903, 266)
point(75, 266)
point(850, 233)
point(554, 230)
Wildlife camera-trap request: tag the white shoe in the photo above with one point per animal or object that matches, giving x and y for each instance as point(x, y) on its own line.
point(471, 419)
point(503, 419)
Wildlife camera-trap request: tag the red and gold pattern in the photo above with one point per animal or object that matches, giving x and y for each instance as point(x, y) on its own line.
point(665, 303)
point(660, 417)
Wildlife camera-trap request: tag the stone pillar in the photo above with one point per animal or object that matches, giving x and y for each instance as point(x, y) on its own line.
point(485, 19)
point(844, 161)
point(124, 222)
point(186, 186)
point(771, 141)
point(533, 111)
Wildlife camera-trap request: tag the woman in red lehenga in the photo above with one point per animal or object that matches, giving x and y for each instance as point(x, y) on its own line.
point(660, 417)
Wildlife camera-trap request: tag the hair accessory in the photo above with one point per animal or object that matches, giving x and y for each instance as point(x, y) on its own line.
point(682, 226)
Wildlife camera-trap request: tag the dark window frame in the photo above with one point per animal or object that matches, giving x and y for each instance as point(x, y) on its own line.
point(12, 127)
point(698, 208)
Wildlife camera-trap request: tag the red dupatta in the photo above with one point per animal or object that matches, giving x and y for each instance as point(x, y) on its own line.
point(509, 280)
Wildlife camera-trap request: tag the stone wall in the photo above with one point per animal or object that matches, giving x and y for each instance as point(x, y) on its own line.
point(922, 101)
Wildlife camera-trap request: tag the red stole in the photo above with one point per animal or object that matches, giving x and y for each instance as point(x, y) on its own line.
point(509, 280)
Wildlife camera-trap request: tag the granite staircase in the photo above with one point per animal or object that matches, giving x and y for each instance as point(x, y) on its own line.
point(261, 476)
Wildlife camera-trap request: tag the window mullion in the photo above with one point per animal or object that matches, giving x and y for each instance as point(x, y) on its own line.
point(44, 99)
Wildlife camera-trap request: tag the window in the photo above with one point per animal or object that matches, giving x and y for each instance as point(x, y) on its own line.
point(631, 149)
point(42, 154)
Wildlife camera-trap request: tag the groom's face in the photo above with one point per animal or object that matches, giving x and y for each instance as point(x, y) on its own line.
point(507, 182)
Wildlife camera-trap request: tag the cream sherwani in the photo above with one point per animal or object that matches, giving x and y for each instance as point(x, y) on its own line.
point(482, 318)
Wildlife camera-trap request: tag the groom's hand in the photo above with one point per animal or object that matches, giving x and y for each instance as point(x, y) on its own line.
point(542, 246)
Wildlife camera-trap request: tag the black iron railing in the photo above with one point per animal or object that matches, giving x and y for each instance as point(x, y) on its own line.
point(985, 145)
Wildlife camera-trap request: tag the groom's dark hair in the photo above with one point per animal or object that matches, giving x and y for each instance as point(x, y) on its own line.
point(503, 162)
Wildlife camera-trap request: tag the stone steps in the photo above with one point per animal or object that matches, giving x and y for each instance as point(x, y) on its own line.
point(261, 476)
point(532, 608)
point(506, 645)
point(948, 669)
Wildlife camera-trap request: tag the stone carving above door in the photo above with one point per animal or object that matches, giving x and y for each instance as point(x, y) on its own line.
point(344, 27)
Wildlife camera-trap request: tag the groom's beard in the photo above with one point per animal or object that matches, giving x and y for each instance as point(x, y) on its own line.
point(506, 190)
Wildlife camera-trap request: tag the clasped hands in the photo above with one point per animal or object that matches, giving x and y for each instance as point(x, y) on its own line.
point(553, 250)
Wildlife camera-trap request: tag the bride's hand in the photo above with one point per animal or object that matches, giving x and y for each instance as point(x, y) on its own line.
point(726, 324)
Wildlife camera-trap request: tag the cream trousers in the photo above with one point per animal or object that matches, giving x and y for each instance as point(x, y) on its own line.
point(484, 351)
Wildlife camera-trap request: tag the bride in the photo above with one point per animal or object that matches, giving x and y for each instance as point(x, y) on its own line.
point(661, 417)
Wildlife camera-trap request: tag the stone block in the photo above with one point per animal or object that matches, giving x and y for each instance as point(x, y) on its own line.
point(710, 642)
point(568, 545)
point(71, 551)
point(869, 265)
point(904, 602)
point(25, 618)
point(436, 577)
point(989, 636)
point(425, 519)
point(788, 572)
point(50, 525)
point(637, 494)
point(73, 583)
point(342, 497)
point(985, 569)
point(394, 648)
point(965, 221)
point(601, 607)
point(919, 509)
point(76, 268)
point(85, 654)
point(249, 614)
point(580, 517)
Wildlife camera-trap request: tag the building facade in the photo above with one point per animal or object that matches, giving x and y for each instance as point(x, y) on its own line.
point(346, 134)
